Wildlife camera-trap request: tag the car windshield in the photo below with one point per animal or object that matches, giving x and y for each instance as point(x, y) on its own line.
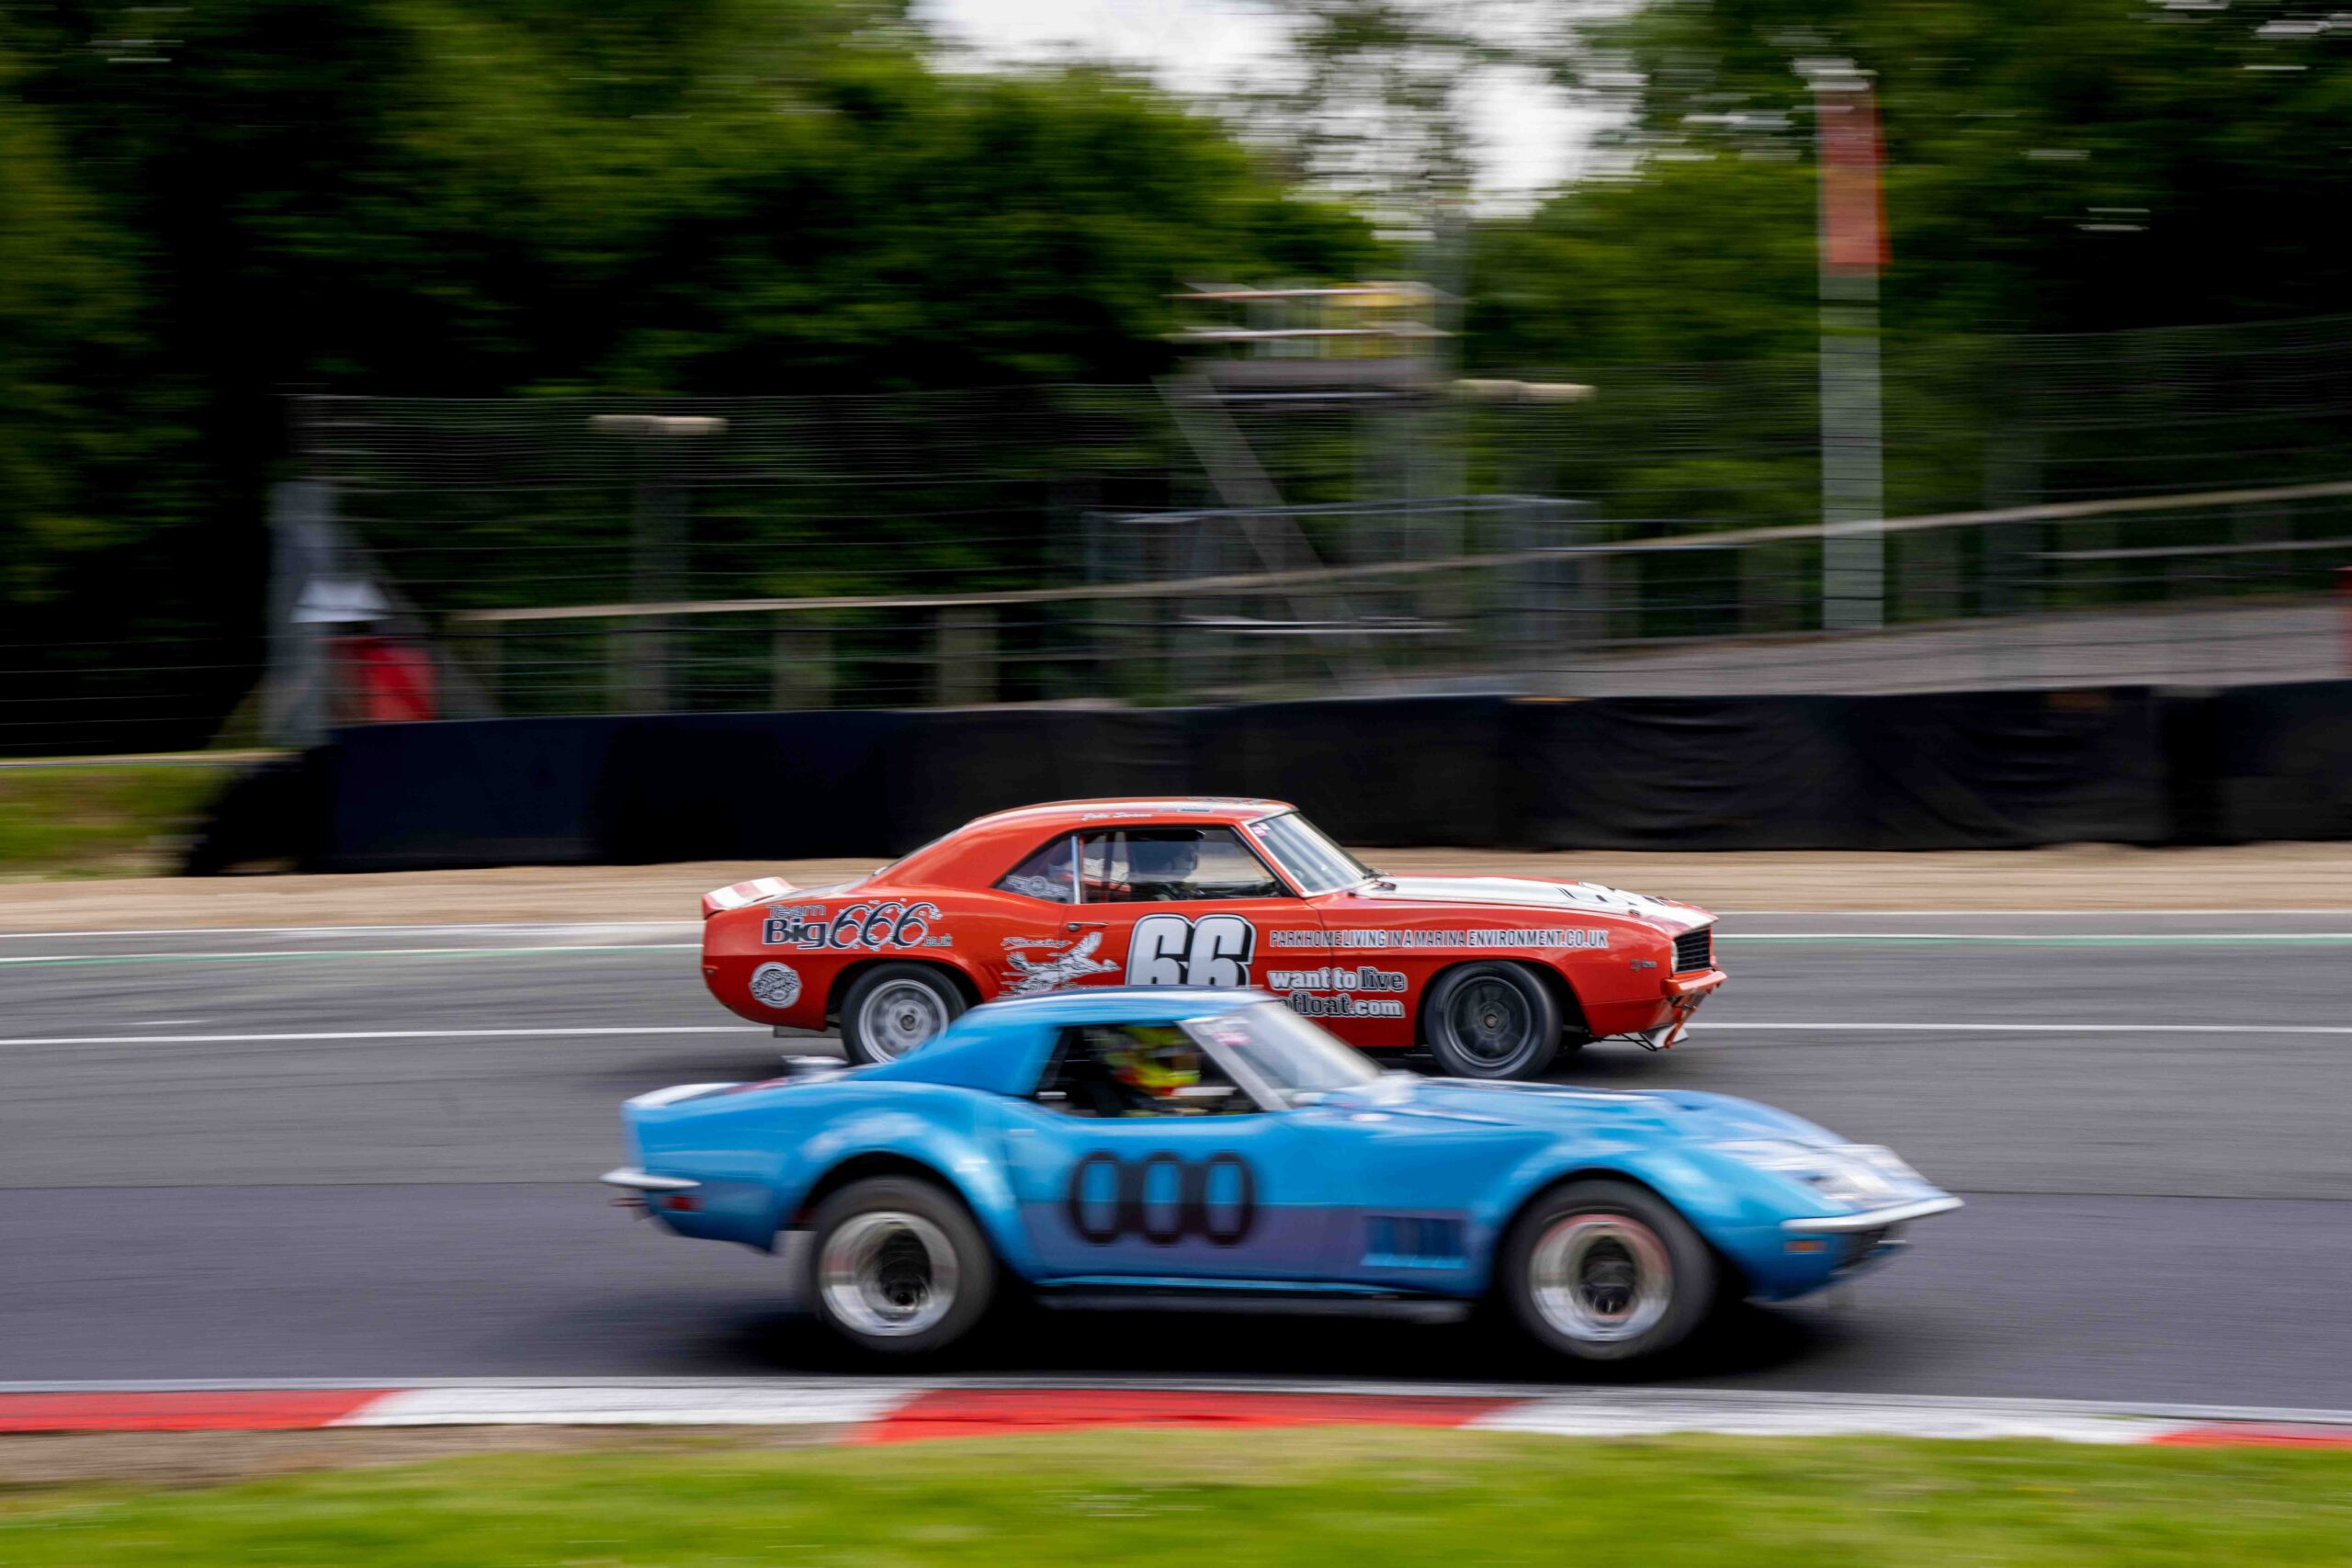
point(1314, 861)
point(1290, 1055)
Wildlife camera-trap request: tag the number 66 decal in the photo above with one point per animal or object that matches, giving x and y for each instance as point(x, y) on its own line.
point(1174, 950)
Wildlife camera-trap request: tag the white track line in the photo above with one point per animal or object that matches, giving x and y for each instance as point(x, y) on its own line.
point(552, 1033)
point(1580, 1415)
point(681, 924)
point(545, 1033)
point(782, 1402)
point(2016, 914)
point(2050, 1027)
point(1858, 938)
point(60, 959)
point(592, 927)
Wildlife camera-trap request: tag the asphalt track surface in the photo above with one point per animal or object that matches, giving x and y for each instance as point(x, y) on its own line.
point(370, 1154)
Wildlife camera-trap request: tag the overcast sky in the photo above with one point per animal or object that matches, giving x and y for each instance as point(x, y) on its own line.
point(1530, 138)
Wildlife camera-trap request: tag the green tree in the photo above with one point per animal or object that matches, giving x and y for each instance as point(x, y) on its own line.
point(2058, 165)
point(425, 198)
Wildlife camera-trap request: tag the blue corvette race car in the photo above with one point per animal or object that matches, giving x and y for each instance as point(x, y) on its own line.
point(1167, 1140)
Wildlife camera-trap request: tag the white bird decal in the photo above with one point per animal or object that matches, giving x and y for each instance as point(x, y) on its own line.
point(1059, 970)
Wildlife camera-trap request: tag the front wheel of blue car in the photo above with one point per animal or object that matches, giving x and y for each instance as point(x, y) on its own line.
point(1607, 1271)
point(898, 1267)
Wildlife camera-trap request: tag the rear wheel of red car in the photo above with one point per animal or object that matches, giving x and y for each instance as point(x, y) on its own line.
point(1607, 1271)
point(891, 1009)
point(898, 1267)
point(1491, 1021)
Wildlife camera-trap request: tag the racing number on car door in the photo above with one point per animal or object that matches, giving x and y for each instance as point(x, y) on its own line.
point(1189, 905)
point(1177, 949)
point(1161, 1198)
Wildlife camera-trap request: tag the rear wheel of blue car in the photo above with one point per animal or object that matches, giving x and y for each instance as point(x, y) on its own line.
point(1607, 1271)
point(1491, 1021)
point(893, 1009)
point(898, 1267)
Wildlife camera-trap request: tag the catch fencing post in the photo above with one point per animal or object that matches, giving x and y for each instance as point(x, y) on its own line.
point(657, 572)
point(2344, 597)
point(965, 643)
point(800, 663)
point(1853, 251)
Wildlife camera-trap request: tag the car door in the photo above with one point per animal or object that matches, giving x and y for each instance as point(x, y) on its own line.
point(1185, 904)
point(1043, 947)
point(1411, 1191)
point(1204, 1185)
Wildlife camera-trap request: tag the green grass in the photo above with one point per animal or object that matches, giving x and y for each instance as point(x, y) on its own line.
point(100, 818)
point(1333, 1500)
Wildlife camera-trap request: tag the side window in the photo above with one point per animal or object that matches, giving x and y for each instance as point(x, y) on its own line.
point(1047, 875)
point(1137, 1069)
point(1149, 865)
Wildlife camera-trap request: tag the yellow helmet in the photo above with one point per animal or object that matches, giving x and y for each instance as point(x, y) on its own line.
point(1160, 1060)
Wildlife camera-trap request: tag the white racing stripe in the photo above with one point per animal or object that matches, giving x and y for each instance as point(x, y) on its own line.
point(545, 1033)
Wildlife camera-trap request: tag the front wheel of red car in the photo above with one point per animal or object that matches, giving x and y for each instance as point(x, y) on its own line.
point(893, 1009)
point(1491, 1021)
point(1606, 1271)
point(898, 1267)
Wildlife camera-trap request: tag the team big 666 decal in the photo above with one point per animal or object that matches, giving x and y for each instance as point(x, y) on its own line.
point(892, 923)
point(1175, 950)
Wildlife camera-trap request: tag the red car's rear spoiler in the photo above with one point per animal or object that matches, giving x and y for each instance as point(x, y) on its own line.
point(759, 890)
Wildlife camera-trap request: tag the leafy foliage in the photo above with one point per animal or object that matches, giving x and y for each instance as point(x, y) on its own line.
point(420, 197)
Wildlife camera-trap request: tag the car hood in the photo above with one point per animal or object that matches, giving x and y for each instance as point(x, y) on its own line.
point(1674, 1113)
point(1533, 893)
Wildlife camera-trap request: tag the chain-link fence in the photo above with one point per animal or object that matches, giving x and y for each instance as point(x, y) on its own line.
point(1187, 542)
point(1083, 543)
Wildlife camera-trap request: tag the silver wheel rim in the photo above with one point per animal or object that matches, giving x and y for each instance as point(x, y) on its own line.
point(899, 1017)
point(1493, 1023)
point(1601, 1278)
point(888, 1274)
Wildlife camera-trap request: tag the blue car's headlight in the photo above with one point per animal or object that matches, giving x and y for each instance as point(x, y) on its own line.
point(1859, 1174)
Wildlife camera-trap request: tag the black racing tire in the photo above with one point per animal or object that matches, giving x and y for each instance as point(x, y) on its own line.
point(897, 1267)
point(1491, 1021)
point(1606, 1271)
point(893, 1009)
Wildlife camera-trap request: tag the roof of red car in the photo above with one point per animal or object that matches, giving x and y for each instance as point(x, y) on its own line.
point(1205, 807)
point(975, 854)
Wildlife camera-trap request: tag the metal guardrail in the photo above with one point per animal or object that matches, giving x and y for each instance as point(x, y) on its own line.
point(1682, 612)
point(1272, 581)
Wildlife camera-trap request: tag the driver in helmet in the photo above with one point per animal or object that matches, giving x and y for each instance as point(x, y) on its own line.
point(1153, 1064)
point(1161, 868)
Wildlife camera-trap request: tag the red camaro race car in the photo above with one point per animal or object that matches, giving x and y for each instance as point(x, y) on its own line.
point(1494, 975)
